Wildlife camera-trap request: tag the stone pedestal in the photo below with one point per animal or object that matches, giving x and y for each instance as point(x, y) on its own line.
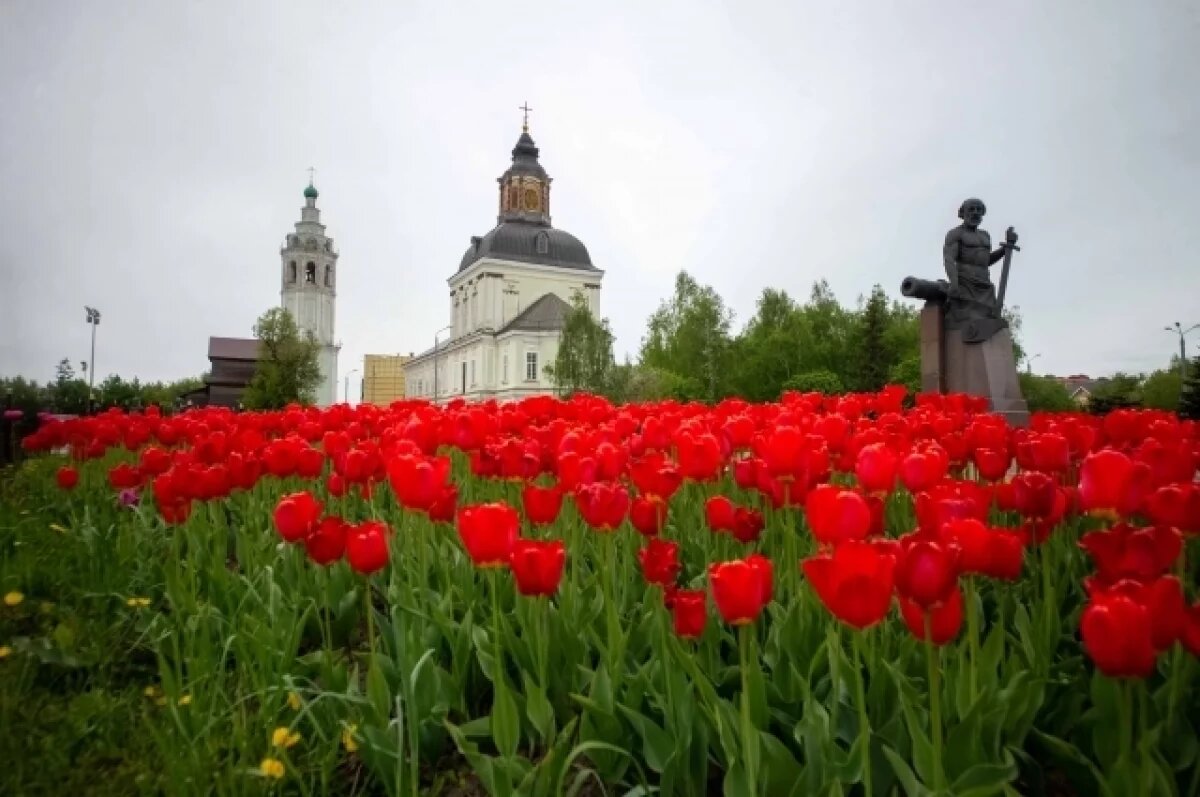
point(979, 369)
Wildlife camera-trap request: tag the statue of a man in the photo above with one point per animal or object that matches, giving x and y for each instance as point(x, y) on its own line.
point(971, 302)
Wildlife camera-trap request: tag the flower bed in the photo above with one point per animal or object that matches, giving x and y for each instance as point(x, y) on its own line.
point(823, 595)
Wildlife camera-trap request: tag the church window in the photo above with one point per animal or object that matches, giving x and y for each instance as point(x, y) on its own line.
point(542, 243)
point(329, 276)
point(531, 366)
point(292, 271)
point(310, 273)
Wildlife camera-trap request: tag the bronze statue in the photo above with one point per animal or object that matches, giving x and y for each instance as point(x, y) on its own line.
point(972, 304)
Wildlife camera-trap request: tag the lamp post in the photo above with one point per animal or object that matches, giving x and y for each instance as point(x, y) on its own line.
point(435, 360)
point(1182, 333)
point(93, 319)
point(346, 390)
point(1029, 363)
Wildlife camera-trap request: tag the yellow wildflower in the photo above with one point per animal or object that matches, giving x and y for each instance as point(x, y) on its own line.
point(137, 603)
point(160, 701)
point(5, 651)
point(284, 737)
point(348, 738)
point(58, 528)
point(294, 701)
point(185, 700)
point(271, 768)
point(151, 691)
point(13, 598)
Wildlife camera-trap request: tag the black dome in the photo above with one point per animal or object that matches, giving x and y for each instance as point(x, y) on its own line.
point(529, 243)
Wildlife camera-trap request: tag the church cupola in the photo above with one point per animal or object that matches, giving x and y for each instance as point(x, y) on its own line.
point(525, 187)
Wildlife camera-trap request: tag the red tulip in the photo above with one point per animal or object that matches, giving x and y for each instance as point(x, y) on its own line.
point(926, 572)
point(655, 475)
point(836, 514)
point(336, 485)
point(1116, 633)
point(924, 467)
point(153, 460)
point(992, 463)
point(488, 532)
point(660, 562)
point(1176, 505)
point(1162, 598)
point(689, 613)
point(1125, 552)
point(417, 481)
point(948, 501)
point(854, 582)
point(876, 468)
point(1190, 635)
point(984, 551)
point(1112, 485)
point(741, 588)
point(367, 547)
point(648, 514)
point(699, 456)
point(746, 472)
point(537, 565)
point(326, 544)
point(542, 504)
point(719, 512)
point(945, 618)
point(296, 515)
point(67, 477)
point(444, 506)
point(603, 505)
point(1034, 494)
point(309, 463)
point(747, 524)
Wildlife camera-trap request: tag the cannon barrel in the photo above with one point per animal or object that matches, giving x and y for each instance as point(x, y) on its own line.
point(929, 290)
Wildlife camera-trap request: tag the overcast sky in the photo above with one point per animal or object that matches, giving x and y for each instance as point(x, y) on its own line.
point(152, 157)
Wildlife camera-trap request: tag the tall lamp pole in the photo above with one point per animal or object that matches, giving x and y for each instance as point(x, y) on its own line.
point(435, 360)
point(1182, 333)
point(1029, 363)
point(93, 319)
point(346, 390)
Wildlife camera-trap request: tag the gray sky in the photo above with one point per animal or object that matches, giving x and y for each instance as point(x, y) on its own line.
point(152, 157)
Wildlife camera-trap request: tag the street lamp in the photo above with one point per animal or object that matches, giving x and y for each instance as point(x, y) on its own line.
point(1029, 363)
point(93, 319)
point(1179, 330)
point(435, 360)
point(346, 390)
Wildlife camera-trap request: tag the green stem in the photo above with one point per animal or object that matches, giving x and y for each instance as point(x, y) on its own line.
point(972, 640)
point(933, 656)
point(1126, 720)
point(749, 734)
point(864, 724)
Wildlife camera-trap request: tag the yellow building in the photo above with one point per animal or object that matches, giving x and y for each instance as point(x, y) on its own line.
point(383, 378)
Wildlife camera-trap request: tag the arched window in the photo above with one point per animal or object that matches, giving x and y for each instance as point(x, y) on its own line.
point(310, 273)
point(292, 272)
point(542, 243)
point(328, 276)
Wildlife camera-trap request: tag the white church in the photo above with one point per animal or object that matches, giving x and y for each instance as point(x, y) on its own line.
point(509, 297)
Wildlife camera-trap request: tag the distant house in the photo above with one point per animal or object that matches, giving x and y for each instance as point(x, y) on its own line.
point(1081, 387)
point(232, 365)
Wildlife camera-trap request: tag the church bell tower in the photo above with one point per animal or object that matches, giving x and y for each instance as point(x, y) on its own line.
point(308, 291)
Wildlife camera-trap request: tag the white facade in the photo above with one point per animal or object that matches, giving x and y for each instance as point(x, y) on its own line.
point(481, 360)
point(308, 289)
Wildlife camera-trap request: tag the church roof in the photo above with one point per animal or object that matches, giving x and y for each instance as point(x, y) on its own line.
point(548, 311)
point(310, 192)
point(233, 348)
point(519, 241)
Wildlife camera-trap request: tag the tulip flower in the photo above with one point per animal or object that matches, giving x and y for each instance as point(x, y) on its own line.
point(836, 514)
point(854, 582)
point(296, 515)
point(1162, 599)
point(924, 467)
point(542, 504)
point(66, 477)
point(537, 565)
point(488, 532)
point(327, 542)
point(747, 524)
point(1125, 552)
point(367, 547)
point(992, 463)
point(648, 515)
point(926, 572)
point(689, 614)
point(1112, 485)
point(741, 588)
point(1116, 633)
point(660, 562)
point(719, 512)
point(1176, 505)
point(939, 623)
point(985, 551)
point(1190, 633)
point(876, 468)
point(603, 505)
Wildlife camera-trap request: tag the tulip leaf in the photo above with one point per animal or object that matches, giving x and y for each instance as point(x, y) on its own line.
point(904, 773)
point(657, 745)
point(782, 771)
point(736, 784)
point(984, 780)
point(538, 708)
point(506, 722)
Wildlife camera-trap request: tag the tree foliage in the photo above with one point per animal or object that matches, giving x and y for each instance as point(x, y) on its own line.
point(1121, 391)
point(689, 335)
point(1045, 394)
point(1189, 399)
point(1161, 390)
point(585, 352)
point(287, 369)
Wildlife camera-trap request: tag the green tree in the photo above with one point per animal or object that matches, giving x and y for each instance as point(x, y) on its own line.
point(68, 394)
point(1189, 399)
point(1161, 390)
point(907, 372)
point(585, 357)
point(825, 382)
point(1118, 392)
point(872, 354)
point(1045, 394)
point(116, 392)
point(287, 369)
point(689, 335)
